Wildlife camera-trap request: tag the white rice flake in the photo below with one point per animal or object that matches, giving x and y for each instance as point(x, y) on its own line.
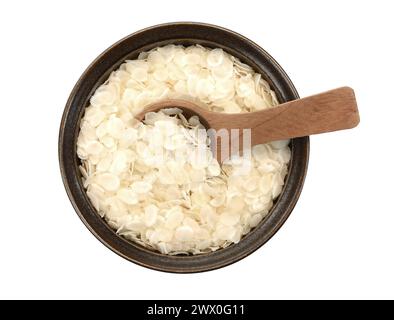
point(141, 177)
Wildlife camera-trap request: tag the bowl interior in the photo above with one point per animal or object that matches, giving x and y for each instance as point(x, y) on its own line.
point(129, 48)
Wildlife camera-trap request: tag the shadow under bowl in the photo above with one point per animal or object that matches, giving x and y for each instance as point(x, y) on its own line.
point(186, 33)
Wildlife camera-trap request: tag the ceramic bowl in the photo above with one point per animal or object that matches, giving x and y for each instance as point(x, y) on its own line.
point(128, 48)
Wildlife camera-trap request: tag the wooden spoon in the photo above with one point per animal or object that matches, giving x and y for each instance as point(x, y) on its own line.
point(325, 112)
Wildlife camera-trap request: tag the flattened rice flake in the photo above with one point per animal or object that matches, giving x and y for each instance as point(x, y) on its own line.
point(140, 177)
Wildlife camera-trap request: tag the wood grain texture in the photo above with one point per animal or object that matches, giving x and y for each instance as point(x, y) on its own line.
point(325, 112)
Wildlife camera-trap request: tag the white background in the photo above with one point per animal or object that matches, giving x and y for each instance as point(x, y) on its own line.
point(338, 242)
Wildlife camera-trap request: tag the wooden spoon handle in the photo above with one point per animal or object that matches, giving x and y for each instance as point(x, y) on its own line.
point(325, 112)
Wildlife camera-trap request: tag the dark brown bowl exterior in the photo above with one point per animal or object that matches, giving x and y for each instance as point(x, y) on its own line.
point(185, 33)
